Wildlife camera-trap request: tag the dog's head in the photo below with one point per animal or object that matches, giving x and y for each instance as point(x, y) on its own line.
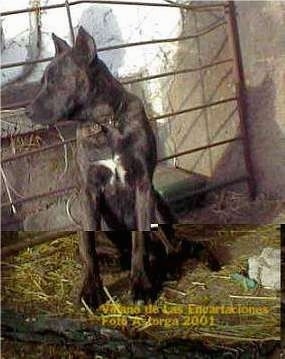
point(65, 84)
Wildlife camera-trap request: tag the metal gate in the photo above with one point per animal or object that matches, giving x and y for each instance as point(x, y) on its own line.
point(226, 8)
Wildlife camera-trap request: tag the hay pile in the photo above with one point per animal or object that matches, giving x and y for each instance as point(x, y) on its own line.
point(44, 280)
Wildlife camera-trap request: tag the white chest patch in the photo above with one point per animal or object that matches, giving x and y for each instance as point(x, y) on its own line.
point(115, 166)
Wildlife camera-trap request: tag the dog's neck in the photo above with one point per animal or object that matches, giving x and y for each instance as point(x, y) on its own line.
point(106, 98)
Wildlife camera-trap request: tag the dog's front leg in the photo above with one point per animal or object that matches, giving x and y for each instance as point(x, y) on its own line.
point(140, 283)
point(90, 209)
point(144, 206)
point(92, 288)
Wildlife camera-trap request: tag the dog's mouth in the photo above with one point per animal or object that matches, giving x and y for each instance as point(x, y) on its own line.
point(38, 118)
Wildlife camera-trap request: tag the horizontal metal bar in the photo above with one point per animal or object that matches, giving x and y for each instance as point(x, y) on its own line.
point(38, 150)
point(197, 192)
point(49, 147)
point(196, 108)
point(210, 188)
point(59, 144)
point(62, 191)
point(177, 72)
point(139, 79)
point(15, 105)
point(132, 44)
point(72, 229)
point(29, 62)
point(110, 2)
point(55, 193)
point(197, 149)
point(210, 28)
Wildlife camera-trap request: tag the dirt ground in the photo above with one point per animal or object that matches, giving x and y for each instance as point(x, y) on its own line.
point(231, 206)
point(43, 280)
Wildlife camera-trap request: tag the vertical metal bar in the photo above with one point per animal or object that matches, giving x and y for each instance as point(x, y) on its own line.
point(238, 73)
point(8, 191)
point(70, 22)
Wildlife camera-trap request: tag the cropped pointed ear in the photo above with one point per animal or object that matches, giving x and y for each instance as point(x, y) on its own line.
point(59, 44)
point(85, 47)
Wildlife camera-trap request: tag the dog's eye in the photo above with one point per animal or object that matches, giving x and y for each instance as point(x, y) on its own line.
point(52, 81)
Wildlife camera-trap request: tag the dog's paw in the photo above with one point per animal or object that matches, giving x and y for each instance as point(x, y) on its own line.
point(141, 288)
point(92, 295)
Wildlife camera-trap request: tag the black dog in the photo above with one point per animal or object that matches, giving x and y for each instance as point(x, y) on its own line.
point(116, 156)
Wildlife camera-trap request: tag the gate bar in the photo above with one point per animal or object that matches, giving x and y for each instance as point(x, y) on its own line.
point(55, 193)
point(61, 191)
point(238, 73)
point(195, 108)
point(179, 154)
point(204, 190)
point(72, 35)
point(17, 105)
point(211, 28)
point(59, 144)
point(110, 2)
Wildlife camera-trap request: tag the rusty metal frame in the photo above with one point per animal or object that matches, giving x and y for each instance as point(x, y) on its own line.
point(232, 30)
point(111, 2)
point(233, 36)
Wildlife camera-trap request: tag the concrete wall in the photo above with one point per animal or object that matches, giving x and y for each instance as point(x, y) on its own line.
point(261, 30)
